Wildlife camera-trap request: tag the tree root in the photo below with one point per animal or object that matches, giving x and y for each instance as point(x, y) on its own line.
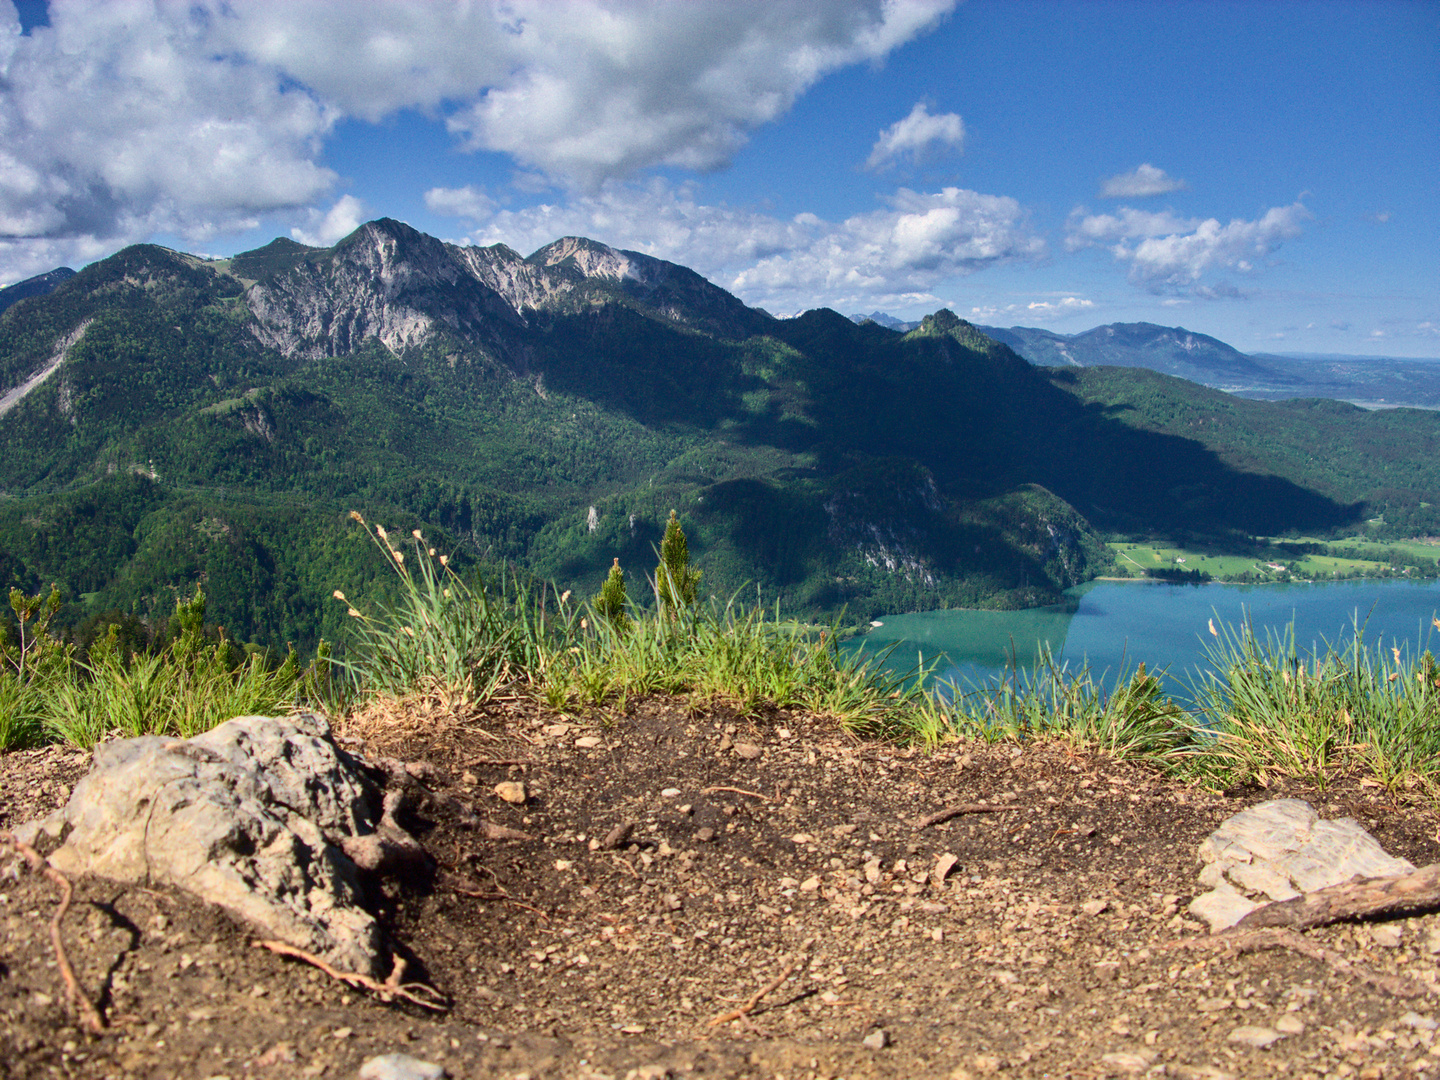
point(427, 997)
point(1279, 938)
point(84, 1007)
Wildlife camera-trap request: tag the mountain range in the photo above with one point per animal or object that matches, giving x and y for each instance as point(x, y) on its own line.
point(167, 419)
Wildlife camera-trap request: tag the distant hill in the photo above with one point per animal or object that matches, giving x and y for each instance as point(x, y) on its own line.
point(1374, 382)
point(167, 419)
point(887, 321)
point(35, 286)
point(1169, 349)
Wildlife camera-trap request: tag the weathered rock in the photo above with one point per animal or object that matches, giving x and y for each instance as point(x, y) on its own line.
point(1278, 850)
point(878, 1039)
point(265, 817)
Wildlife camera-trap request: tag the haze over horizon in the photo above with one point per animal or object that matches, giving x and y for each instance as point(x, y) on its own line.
point(1262, 173)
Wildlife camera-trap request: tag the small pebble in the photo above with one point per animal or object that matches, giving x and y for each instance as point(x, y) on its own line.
point(876, 1040)
point(748, 751)
point(512, 791)
point(1249, 1035)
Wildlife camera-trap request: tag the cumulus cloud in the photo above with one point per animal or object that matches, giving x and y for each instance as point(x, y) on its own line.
point(917, 135)
point(1168, 253)
point(893, 256)
point(1145, 181)
point(342, 219)
point(127, 117)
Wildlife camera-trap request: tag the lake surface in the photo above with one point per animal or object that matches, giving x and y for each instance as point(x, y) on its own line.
point(1112, 625)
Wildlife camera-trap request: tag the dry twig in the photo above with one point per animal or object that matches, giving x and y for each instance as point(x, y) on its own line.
point(427, 997)
point(955, 811)
point(86, 1009)
point(743, 1012)
point(734, 790)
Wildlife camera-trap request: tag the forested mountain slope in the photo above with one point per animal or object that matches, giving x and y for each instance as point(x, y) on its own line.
point(169, 419)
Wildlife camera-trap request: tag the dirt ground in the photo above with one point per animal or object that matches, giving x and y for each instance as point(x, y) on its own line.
point(679, 861)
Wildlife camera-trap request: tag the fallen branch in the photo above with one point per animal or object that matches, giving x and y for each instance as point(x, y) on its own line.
point(735, 791)
point(743, 1012)
point(416, 993)
point(955, 811)
point(83, 1006)
point(1279, 938)
point(1357, 898)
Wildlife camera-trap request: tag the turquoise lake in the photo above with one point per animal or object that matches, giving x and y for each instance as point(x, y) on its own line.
point(1112, 625)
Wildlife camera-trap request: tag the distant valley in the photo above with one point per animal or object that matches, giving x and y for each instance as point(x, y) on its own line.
point(169, 419)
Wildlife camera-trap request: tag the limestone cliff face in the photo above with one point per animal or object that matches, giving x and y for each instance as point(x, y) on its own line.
point(385, 281)
point(390, 282)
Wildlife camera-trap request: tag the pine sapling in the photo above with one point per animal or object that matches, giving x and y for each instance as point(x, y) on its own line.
point(675, 580)
point(609, 602)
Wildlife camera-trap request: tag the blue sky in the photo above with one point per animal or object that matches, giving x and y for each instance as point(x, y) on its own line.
point(1263, 172)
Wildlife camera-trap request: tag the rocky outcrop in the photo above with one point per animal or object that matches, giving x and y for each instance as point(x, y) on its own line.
point(387, 281)
point(384, 281)
point(266, 817)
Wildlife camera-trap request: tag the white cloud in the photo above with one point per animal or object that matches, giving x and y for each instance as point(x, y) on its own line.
point(342, 219)
point(196, 117)
point(1169, 253)
point(466, 202)
point(1034, 311)
point(1145, 181)
point(916, 135)
point(894, 256)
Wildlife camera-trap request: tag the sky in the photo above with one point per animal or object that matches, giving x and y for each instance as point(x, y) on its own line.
point(1264, 172)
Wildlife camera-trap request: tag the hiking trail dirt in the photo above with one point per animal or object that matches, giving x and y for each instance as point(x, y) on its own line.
point(699, 894)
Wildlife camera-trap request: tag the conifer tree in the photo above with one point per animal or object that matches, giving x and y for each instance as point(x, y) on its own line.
point(609, 602)
point(675, 581)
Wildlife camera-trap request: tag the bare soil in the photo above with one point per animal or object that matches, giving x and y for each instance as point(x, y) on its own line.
point(1052, 947)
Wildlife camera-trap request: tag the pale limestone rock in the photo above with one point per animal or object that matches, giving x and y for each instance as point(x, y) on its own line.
point(1280, 849)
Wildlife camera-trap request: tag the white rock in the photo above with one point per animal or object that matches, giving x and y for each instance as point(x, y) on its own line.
point(252, 815)
point(876, 1040)
point(1290, 1024)
point(1127, 1061)
point(1281, 848)
point(1221, 908)
point(588, 742)
point(943, 865)
point(1094, 907)
point(400, 1067)
point(748, 751)
point(1251, 1035)
point(1262, 877)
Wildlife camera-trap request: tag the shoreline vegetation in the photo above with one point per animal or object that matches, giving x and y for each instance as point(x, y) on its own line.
point(1265, 711)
